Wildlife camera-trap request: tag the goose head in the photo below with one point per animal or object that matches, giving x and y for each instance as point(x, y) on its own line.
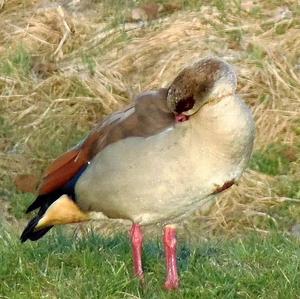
point(208, 80)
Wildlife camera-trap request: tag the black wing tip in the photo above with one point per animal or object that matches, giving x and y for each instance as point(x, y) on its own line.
point(28, 210)
point(23, 238)
point(34, 235)
point(36, 204)
point(29, 233)
point(32, 207)
point(29, 229)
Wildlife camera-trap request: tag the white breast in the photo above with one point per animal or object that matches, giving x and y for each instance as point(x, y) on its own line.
point(170, 174)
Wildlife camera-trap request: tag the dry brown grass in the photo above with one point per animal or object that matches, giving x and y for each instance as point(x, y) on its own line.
point(82, 70)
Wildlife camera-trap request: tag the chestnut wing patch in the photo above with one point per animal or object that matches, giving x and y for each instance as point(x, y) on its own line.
point(62, 170)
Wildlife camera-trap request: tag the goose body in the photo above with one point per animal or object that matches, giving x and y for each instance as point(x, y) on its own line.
point(159, 159)
point(169, 174)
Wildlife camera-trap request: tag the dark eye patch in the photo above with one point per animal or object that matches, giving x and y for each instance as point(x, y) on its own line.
point(185, 105)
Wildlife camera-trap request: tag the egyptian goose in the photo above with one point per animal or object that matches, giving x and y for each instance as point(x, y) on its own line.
point(157, 160)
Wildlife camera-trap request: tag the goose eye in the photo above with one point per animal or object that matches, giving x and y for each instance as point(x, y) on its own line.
point(185, 105)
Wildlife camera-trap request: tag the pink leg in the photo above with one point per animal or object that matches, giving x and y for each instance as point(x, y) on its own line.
point(137, 246)
point(172, 280)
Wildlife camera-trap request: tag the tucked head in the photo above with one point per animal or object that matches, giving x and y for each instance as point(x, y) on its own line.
point(209, 79)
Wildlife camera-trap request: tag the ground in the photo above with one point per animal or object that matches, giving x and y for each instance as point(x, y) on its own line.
point(64, 65)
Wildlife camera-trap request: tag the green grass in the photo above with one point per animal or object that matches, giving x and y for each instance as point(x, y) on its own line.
point(256, 54)
point(90, 63)
point(288, 187)
point(61, 267)
point(18, 62)
point(5, 128)
point(272, 161)
point(19, 202)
